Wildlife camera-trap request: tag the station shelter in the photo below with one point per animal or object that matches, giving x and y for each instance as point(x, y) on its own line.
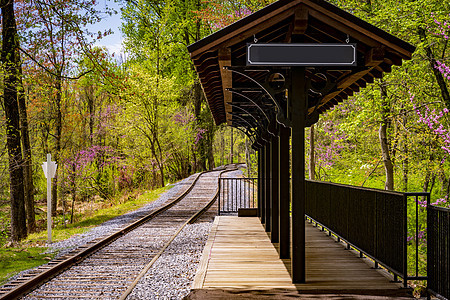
point(271, 75)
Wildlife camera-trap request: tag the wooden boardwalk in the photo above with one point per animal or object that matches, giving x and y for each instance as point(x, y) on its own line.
point(239, 255)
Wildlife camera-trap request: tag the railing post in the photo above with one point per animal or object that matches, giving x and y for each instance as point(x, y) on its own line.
point(258, 184)
point(417, 235)
point(405, 242)
point(218, 203)
point(430, 246)
point(262, 189)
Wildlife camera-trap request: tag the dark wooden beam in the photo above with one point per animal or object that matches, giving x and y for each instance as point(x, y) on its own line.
point(275, 224)
point(361, 83)
point(376, 73)
point(361, 34)
point(298, 98)
point(224, 56)
point(374, 56)
point(267, 186)
point(354, 87)
point(393, 59)
point(349, 80)
point(348, 92)
point(367, 78)
point(204, 57)
point(250, 29)
point(206, 78)
point(384, 67)
point(300, 20)
point(284, 193)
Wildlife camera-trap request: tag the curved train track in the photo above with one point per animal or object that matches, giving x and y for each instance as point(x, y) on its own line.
point(111, 267)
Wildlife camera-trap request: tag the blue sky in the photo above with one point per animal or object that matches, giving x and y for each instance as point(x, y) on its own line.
point(112, 42)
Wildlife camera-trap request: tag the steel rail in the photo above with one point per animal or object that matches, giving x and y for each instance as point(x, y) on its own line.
point(48, 274)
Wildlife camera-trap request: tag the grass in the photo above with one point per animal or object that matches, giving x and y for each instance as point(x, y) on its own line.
point(29, 252)
point(16, 259)
point(89, 219)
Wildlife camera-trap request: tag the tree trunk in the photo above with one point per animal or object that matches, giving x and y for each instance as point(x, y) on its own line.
point(211, 162)
point(388, 166)
point(10, 79)
point(58, 86)
point(405, 162)
point(231, 145)
point(405, 168)
point(74, 190)
point(222, 145)
point(28, 165)
point(160, 161)
point(312, 162)
point(439, 78)
point(247, 158)
point(90, 102)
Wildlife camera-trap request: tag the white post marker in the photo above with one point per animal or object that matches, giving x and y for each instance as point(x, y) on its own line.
point(49, 167)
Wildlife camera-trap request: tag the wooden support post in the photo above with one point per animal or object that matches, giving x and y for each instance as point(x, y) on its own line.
point(285, 193)
point(258, 194)
point(275, 229)
point(267, 186)
point(262, 185)
point(298, 98)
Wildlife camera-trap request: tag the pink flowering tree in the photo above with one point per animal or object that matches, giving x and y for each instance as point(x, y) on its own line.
point(92, 171)
point(435, 130)
point(221, 14)
point(330, 141)
point(442, 30)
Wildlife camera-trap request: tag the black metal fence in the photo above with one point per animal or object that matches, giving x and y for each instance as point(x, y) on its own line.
point(235, 193)
point(438, 254)
point(372, 221)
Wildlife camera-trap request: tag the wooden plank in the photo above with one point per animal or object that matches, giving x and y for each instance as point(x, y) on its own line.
point(203, 265)
point(239, 255)
point(242, 256)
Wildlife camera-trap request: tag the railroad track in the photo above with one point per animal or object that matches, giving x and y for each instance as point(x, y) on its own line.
point(110, 267)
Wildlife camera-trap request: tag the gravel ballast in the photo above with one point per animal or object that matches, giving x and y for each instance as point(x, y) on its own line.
point(172, 274)
point(110, 226)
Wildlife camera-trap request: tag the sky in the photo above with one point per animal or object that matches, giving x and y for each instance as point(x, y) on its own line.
point(114, 41)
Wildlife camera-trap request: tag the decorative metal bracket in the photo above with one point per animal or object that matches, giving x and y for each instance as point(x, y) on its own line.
point(263, 127)
point(253, 135)
point(270, 91)
point(248, 134)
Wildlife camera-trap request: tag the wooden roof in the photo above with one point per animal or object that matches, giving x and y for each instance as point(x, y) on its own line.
point(315, 21)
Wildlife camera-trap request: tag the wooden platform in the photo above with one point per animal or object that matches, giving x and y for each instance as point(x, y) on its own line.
point(239, 255)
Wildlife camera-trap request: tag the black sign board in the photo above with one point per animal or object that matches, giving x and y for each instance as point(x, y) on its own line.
point(301, 54)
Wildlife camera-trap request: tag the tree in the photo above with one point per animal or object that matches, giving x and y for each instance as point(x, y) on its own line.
point(10, 81)
point(54, 38)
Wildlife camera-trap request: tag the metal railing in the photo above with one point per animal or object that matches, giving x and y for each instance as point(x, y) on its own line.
point(438, 251)
point(375, 222)
point(235, 193)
